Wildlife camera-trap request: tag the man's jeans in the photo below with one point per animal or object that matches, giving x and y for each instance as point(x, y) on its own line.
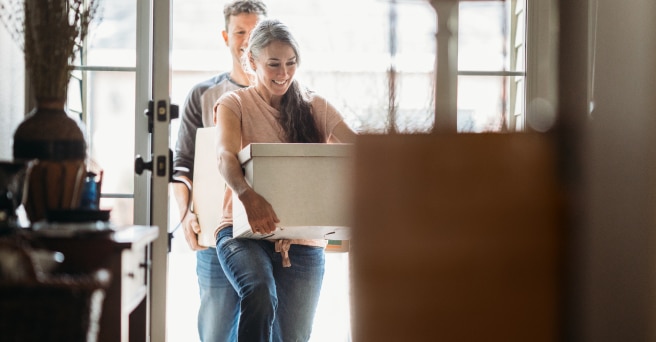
point(219, 303)
point(276, 303)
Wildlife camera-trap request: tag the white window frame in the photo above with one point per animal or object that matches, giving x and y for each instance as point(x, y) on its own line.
point(541, 60)
point(540, 71)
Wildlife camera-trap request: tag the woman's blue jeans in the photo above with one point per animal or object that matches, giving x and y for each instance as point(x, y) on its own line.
point(276, 303)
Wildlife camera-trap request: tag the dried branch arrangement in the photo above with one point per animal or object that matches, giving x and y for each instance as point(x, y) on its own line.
point(50, 32)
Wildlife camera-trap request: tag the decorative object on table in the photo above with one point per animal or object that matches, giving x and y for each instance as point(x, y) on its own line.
point(50, 33)
point(52, 185)
point(88, 210)
point(91, 191)
point(11, 190)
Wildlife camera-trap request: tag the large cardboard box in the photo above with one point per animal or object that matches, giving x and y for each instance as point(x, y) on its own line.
point(308, 186)
point(207, 194)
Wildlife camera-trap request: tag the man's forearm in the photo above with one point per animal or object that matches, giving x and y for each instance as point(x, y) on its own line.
point(182, 197)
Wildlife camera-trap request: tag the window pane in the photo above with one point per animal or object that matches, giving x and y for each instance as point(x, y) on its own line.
point(482, 40)
point(122, 210)
point(111, 128)
point(415, 102)
point(415, 29)
point(361, 97)
point(517, 116)
point(112, 38)
point(197, 43)
point(347, 63)
point(415, 62)
point(12, 93)
point(335, 26)
point(345, 55)
point(481, 103)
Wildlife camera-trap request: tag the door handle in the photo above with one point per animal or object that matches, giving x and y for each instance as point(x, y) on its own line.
point(140, 165)
point(160, 165)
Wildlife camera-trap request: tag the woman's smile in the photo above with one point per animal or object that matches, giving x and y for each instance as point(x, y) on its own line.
point(275, 69)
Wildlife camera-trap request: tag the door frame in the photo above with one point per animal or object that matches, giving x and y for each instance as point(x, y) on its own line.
point(153, 81)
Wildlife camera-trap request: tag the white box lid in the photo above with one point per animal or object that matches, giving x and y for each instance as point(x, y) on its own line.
point(294, 150)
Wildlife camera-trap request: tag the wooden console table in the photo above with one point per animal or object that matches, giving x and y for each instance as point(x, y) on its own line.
point(126, 254)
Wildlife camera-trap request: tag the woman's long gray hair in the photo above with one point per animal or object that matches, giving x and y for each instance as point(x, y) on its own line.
point(296, 118)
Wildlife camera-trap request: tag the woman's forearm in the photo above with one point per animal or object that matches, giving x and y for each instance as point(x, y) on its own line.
point(232, 173)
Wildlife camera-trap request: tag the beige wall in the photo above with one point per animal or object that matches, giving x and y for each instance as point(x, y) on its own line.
point(616, 272)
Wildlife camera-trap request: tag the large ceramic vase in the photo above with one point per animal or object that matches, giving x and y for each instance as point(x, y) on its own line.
point(50, 34)
point(48, 133)
point(55, 147)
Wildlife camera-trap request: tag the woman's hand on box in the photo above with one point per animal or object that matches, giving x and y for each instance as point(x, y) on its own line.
point(261, 216)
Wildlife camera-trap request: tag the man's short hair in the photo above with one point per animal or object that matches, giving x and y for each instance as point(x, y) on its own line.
point(237, 7)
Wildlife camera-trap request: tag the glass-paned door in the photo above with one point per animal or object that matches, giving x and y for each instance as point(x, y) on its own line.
point(103, 91)
point(123, 65)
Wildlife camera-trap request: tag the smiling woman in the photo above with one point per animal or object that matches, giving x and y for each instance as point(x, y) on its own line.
point(276, 67)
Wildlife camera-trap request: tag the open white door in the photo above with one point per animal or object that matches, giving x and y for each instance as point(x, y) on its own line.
point(152, 144)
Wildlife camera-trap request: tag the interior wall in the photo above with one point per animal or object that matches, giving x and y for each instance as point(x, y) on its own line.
point(617, 245)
